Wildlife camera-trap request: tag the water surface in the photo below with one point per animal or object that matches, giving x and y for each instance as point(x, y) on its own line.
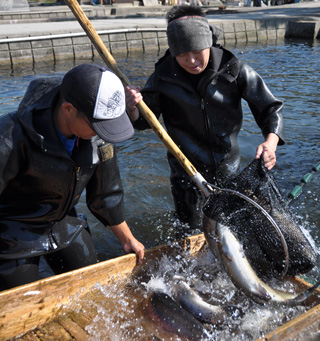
point(291, 71)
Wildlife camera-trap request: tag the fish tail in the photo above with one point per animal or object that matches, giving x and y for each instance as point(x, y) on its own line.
point(303, 296)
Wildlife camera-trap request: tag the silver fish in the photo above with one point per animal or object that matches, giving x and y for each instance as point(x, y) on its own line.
point(225, 246)
point(195, 305)
point(165, 311)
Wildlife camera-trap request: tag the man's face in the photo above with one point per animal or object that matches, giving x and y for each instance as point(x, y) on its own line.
point(82, 127)
point(194, 62)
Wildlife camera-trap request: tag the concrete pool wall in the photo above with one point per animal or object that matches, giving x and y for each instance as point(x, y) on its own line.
point(53, 46)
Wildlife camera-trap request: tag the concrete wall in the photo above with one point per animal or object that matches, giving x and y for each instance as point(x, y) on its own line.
point(14, 51)
point(245, 31)
point(92, 12)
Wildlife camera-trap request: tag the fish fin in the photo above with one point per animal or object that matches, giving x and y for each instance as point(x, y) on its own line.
point(227, 257)
point(262, 294)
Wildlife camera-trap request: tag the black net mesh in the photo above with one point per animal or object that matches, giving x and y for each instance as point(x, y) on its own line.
point(260, 240)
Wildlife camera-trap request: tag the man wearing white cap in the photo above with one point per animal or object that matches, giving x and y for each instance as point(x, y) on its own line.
point(59, 143)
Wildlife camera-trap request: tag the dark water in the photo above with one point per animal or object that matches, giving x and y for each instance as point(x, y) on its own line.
point(291, 70)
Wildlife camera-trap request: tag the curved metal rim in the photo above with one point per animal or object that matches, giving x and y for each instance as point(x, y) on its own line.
point(266, 214)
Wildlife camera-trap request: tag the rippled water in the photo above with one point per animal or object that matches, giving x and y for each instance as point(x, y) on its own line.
point(291, 69)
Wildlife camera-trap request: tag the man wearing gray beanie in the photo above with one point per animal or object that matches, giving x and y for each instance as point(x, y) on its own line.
point(198, 86)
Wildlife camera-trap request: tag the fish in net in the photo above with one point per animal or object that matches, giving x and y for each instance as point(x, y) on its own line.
point(261, 242)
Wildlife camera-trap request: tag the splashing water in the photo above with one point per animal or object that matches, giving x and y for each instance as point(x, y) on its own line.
point(116, 312)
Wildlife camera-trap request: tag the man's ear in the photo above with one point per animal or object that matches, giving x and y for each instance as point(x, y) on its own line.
point(68, 109)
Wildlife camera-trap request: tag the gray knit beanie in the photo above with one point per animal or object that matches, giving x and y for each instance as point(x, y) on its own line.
point(190, 33)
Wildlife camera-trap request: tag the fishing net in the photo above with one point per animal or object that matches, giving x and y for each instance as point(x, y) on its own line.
point(261, 242)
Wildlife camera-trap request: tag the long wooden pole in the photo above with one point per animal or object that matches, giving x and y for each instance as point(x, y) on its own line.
point(143, 108)
point(157, 127)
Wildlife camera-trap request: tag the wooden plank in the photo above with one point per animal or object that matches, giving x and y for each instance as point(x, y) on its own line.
point(308, 321)
point(26, 307)
point(83, 318)
point(36, 306)
point(31, 336)
point(51, 331)
point(73, 328)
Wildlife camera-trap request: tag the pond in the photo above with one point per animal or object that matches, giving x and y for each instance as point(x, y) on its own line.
point(290, 69)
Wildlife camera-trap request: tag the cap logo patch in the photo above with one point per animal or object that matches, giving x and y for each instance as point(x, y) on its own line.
point(110, 104)
point(114, 106)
